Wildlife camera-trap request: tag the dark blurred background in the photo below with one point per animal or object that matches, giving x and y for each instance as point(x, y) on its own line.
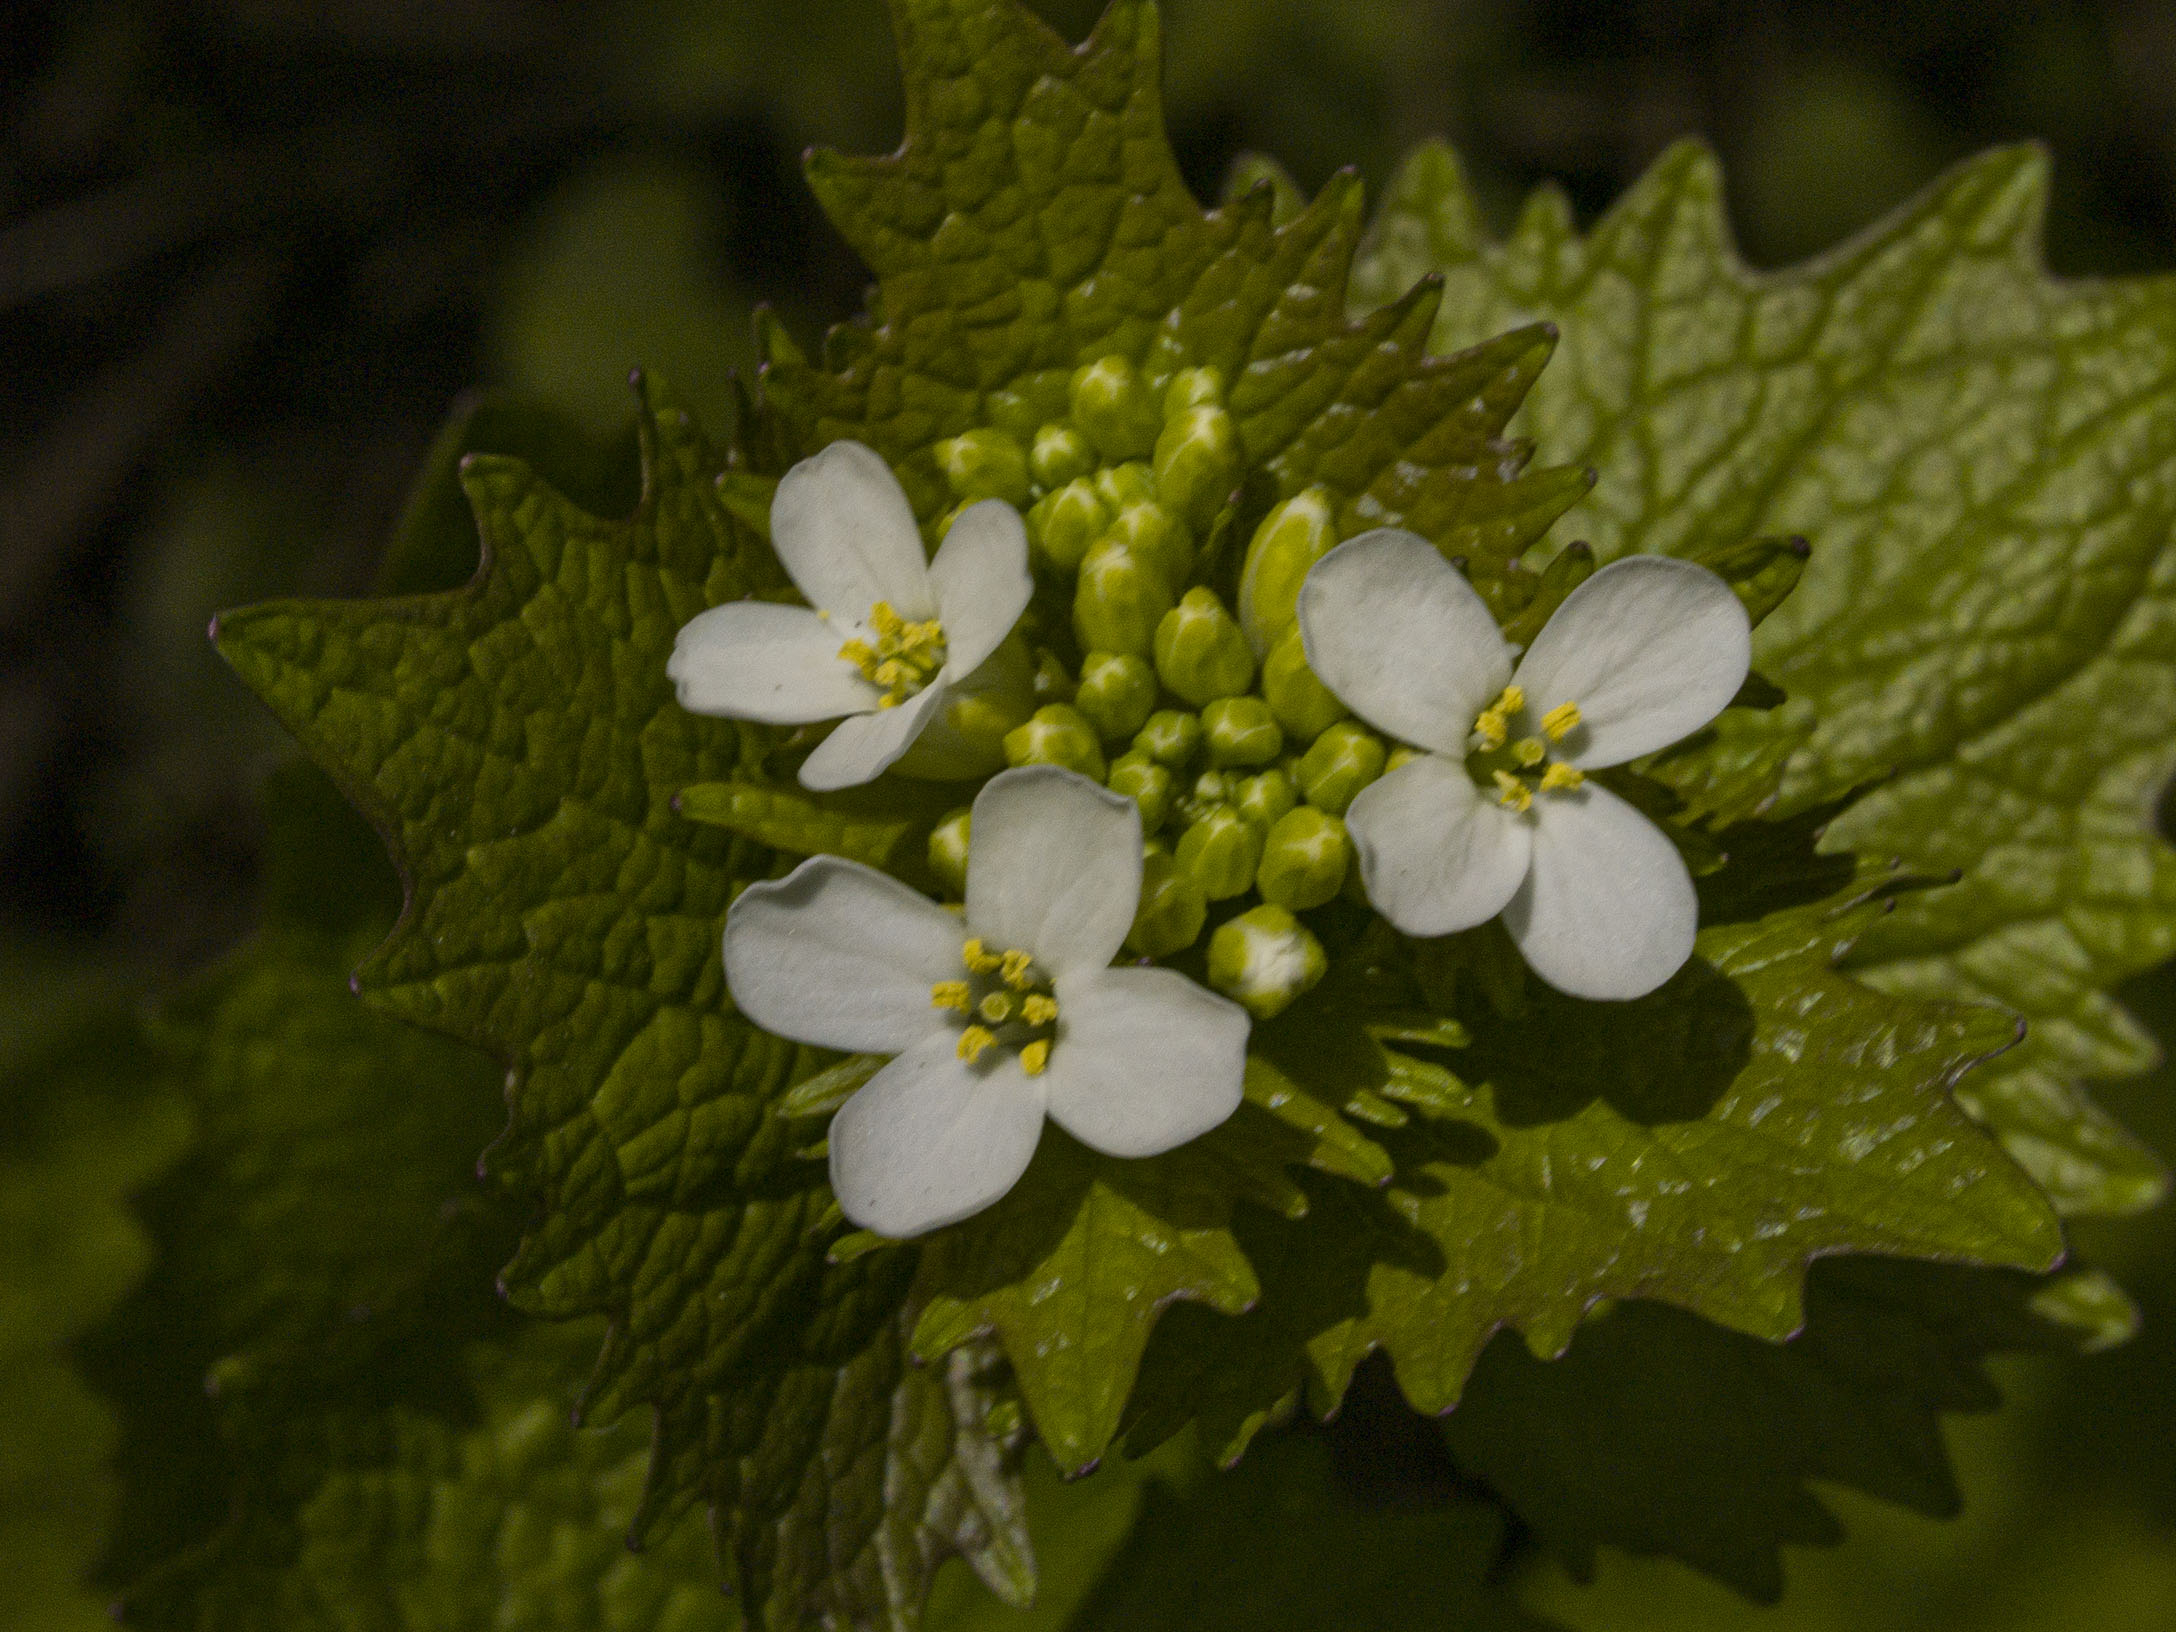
point(252, 250)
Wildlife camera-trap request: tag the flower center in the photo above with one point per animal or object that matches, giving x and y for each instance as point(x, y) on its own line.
point(1007, 1002)
point(1519, 767)
point(904, 658)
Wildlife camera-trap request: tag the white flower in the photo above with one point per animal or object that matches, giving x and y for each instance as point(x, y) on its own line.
point(1013, 1014)
point(1497, 815)
point(887, 636)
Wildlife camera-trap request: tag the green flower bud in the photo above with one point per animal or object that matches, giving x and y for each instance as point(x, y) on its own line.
point(1120, 599)
point(1147, 784)
point(1198, 463)
point(985, 464)
point(1114, 408)
point(1157, 535)
point(1304, 859)
point(1172, 911)
point(1056, 735)
point(1241, 731)
point(1200, 653)
point(1401, 756)
point(1170, 737)
point(1265, 959)
point(1130, 483)
point(1265, 799)
point(1193, 388)
point(1051, 683)
point(948, 850)
point(1060, 455)
point(1204, 793)
point(1064, 524)
point(1221, 849)
point(1117, 692)
point(1304, 706)
point(1292, 538)
point(1342, 761)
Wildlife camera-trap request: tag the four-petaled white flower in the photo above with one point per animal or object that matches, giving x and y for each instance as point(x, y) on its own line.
point(997, 1020)
point(1497, 816)
point(887, 635)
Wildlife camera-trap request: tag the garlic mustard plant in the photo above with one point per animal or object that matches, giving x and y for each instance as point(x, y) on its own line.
point(887, 640)
point(997, 1019)
point(1497, 814)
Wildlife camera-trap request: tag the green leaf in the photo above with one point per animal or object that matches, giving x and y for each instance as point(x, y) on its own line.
point(1701, 1147)
point(1658, 1432)
point(1278, 1543)
point(1981, 457)
point(1035, 219)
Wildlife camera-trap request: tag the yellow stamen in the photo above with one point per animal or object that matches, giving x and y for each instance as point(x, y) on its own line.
point(884, 620)
point(973, 1041)
point(1495, 721)
point(949, 994)
point(996, 1008)
point(1034, 1057)
point(1529, 751)
point(1560, 776)
point(1014, 971)
point(1512, 793)
point(1513, 699)
point(1560, 721)
point(859, 653)
point(1039, 1010)
point(979, 960)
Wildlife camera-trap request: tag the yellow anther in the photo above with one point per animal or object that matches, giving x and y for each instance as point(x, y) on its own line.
point(1034, 1057)
point(884, 620)
point(1039, 1010)
point(1014, 971)
point(1529, 751)
point(1560, 721)
point(949, 994)
point(973, 1041)
point(996, 1008)
point(1511, 793)
point(1560, 776)
point(859, 653)
point(1495, 721)
point(978, 959)
point(1513, 699)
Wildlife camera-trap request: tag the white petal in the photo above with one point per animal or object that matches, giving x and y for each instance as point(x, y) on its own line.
point(865, 745)
point(1436, 854)
point(1053, 867)
point(841, 524)
point(1607, 910)
point(1144, 1061)
point(1399, 635)
point(753, 660)
point(981, 581)
point(1650, 649)
point(840, 955)
point(930, 1139)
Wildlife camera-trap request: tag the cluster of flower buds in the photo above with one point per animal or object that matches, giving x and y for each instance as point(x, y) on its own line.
point(1207, 717)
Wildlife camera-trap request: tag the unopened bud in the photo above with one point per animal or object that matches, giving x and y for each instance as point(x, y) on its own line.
point(1198, 463)
point(1172, 910)
point(1170, 737)
point(1154, 533)
point(1265, 959)
point(1193, 388)
point(1119, 600)
point(1265, 799)
point(948, 850)
point(1291, 539)
point(1064, 524)
point(1114, 408)
point(1304, 706)
point(1200, 653)
point(1342, 761)
point(1056, 735)
point(1060, 455)
point(1241, 731)
point(1304, 859)
point(1147, 784)
point(1117, 692)
point(985, 464)
point(1130, 483)
point(1221, 849)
